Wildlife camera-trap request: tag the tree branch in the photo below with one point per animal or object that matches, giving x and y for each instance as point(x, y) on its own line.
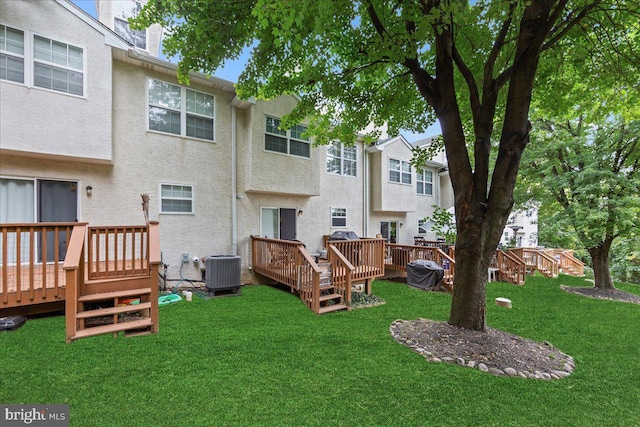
point(557, 33)
point(497, 46)
point(474, 96)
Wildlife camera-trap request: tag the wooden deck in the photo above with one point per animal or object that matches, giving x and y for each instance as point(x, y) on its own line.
point(47, 266)
point(325, 285)
point(39, 283)
point(398, 256)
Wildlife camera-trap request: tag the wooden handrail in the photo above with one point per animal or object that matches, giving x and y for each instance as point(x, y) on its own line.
point(155, 259)
point(288, 262)
point(74, 258)
point(570, 264)
point(512, 269)
point(547, 264)
point(341, 273)
point(74, 272)
point(366, 255)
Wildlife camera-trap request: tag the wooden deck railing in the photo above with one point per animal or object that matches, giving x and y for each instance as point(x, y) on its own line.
point(75, 274)
point(112, 253)
point(289, 263)
point(342, 272)
point(538, 259)
point(118, 252)
point(31, 258)
point(512, 269)
point(365, 255)
point(570, 264)
point(398, 256)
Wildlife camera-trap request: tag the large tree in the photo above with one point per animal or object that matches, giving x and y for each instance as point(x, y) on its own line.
point(584, 160)
point(593, 173)
point(402, 63)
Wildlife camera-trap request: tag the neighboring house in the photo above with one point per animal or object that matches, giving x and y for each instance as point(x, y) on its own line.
point(91, 119)
point(521, 229)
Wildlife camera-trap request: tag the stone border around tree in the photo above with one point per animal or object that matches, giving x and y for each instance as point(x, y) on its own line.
point(569, 365)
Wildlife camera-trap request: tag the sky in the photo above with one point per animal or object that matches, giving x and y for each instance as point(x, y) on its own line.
point(231, 69)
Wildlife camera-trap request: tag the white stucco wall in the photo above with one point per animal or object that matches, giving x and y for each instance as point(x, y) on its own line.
point(41, 122)
point(391, 196)
point(143, 160)
point(262, 170)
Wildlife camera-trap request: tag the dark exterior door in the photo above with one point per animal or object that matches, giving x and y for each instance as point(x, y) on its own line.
point(287, 224)
point(57, 202)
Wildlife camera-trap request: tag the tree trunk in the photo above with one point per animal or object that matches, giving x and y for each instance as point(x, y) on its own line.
point(482, 209)
point(600, 260)
point(468, 304)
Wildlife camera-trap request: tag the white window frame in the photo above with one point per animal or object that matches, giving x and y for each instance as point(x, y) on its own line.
point(177, 198)
point(276, 228)
point(13, 55)
point(337, 152)
point(182, 110)
point(288, 135)
point(403, 170)
point(130, 35)
point(29, 63)
point(421, 179)
point(68, 68)
point(338, 213)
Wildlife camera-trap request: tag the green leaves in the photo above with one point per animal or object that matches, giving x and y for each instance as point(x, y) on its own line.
point(591, 172)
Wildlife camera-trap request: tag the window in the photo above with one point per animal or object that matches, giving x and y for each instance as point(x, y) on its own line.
point(338, 217)
point(58, 66)
point(176, 198)
point(399, 171)
point(422, 226)
point(389, 231)
point(137, 38)
point(11, 54)
point(286, 141)
point(180, 111)
point(424, 181)
point(341, 159)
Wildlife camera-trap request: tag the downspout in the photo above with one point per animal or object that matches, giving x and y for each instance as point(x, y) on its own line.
point(234, 191)
point(438, 187)
point(365, 192)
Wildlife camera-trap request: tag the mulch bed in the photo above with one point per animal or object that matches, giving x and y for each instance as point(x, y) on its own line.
point(606, 294)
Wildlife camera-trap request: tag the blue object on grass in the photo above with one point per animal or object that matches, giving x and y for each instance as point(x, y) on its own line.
point(168, 299)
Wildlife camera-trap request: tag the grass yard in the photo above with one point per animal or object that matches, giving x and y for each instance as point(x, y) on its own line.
point(263, 359)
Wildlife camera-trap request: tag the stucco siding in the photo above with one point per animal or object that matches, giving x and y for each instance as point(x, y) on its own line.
point(146, 159)
point(391, 196)
point(264, 174)
point(41, 122)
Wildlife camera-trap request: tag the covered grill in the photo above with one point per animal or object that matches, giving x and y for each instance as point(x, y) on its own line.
point(344, 235)
point(423, 274)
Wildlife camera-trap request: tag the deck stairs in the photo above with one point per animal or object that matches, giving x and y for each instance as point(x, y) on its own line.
point(113, 306)
point(116, 289)
point(330, 300)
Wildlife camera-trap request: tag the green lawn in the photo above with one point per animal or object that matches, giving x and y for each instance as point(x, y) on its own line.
point(264, 359)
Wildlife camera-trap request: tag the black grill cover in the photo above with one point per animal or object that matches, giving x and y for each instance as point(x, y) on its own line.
point(344, 235)
point(423, 274)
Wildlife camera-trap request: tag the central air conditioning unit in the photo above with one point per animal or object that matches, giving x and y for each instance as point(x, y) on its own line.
point(222, 273)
